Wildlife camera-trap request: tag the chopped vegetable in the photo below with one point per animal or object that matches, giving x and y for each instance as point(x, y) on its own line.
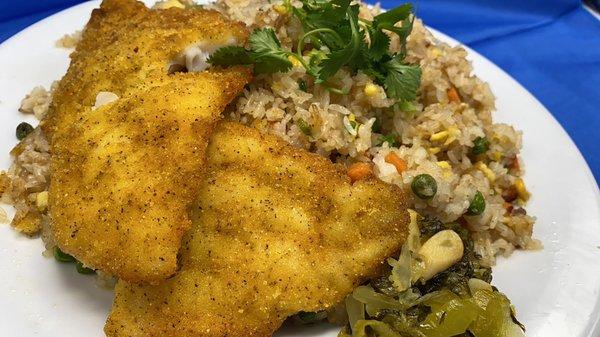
point(310, 317)
point(338, 39)
point(453, 95)
point(514, 164)
point(399, 163)
point(371, 90)
point(480, 146)
point(521, 189)
point(81, 269)
point(304, 127)
point(390, 139)
point(424, 186)
point(302, 85)
point(358, 171)
point(487, 172)
point(61, 256)
point(477, 205)
point(23, 129)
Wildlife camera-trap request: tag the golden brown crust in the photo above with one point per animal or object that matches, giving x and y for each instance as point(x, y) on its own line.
point(123, 175)
point(126, 44)
point(277, 230)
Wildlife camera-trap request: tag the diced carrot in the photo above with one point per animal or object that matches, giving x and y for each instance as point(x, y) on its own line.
point(514, 164)
point(358, 171)
point(392, 158)
point(453, 95)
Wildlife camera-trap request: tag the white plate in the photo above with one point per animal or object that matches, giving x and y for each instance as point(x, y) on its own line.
point(556, 291)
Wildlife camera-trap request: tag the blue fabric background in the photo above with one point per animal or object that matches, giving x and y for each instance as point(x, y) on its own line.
point(552, 47)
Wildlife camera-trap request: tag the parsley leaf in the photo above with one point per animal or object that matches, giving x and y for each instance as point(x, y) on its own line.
point(352, 53)
point(267, 54)
point(393, 16)
point(338, 39)
point(390, 139)
point(230, 55)
point(402, 80)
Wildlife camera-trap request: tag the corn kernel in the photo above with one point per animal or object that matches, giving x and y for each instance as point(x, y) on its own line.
point(496, 155)
point(438, 136)
point(444, 165)
point(169, 4)
point(487, 172)
point(434, 150)
point(295, 62)
point(435, 52)
point(41, 201)
point(521, 189)
point(371, 90)
point(281, 9)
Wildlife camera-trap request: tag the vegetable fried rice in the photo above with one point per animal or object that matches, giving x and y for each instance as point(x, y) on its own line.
point(447, 134)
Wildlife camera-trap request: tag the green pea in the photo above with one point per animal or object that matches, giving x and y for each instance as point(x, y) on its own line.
point(424, 186)
point(61, 256)
point(23, 129)
point(480, 146)
point(477, 205)
point(81, 269)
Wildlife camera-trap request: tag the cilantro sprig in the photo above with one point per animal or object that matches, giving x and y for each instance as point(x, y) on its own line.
point(335, 37)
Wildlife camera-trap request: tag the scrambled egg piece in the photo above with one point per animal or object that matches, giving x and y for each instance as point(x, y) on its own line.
point(277, 230)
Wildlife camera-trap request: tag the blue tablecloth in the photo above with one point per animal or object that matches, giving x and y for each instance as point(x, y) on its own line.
point(552, 47)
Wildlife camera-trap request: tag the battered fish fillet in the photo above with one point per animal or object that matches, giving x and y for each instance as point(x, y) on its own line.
point(277, 230)
point(125, 45)
point(123, 181)
point(123, 175)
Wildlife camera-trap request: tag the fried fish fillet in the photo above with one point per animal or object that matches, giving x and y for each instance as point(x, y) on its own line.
point(277, 230)
point(123, 180)
point(125, 45)
point(123, 175)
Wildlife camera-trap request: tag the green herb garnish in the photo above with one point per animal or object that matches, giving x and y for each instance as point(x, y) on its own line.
point(477, 204)
point(304, 127)
point(334, 37)
point(61, 256)
point(390, 139)
point(480, 146)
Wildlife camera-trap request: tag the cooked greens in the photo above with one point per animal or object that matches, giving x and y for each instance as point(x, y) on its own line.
point(334, 37)
point(61, 256)
point(458, 302)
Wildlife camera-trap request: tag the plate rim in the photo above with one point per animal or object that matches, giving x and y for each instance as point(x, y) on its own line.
point(593, 324)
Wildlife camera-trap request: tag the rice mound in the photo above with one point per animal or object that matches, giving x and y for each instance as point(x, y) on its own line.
point(435, 136)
